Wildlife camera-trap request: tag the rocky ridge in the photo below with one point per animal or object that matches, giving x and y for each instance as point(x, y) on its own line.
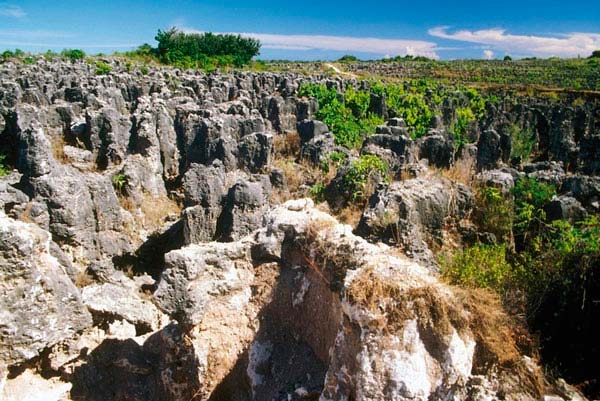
point(144, 256)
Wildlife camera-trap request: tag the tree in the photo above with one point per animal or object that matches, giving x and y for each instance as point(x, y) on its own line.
point(348, 58)
point(507, 58)
point(190, 49)
point(595, 54)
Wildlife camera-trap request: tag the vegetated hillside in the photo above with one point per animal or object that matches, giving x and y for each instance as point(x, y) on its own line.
point(160, 238)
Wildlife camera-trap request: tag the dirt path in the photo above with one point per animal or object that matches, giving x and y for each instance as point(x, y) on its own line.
point(337, 70)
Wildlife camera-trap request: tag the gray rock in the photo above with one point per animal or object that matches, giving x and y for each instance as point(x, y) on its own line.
point(204, 185)
point(40, 306)
point(318, 147)
point(565, 207)
point(437, 149)
point(411, 213)
point(121, 301)
point(489, 152)
point(308, 129)
point(244, 208)
point(196, 274)
point(254, 151)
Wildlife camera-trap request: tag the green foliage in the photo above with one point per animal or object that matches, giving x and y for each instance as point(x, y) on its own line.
point(144, 70)
point(348, 58)
point(205, 50)
point(416, 112)
point(464, 118)
point(119, 182)
point(480, 266)
point(335, 158)
point(28, 60)
point(494, 213)
point(347, 116)
point(530, 198)
point(507, 58)
point(595, 54)
point(102, 68)
point(362, 173)
point(583, 238)
point(4, 170)
point(317, 192)
point(522, 143)
point(73, 54)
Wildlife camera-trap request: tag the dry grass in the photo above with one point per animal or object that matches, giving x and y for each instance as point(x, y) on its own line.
point(473, 311)
point(298, 177)
point(156, 208)
point(83, 280)
point(286, 145)
point(58, 149)
point(463, 171)
point(351, 214)
point(151, 212)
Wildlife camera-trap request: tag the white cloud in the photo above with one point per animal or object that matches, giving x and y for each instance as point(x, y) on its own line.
point(488, 54)
point(564, 45)
point(34, 34)
point(340, 43)
point(9, 10)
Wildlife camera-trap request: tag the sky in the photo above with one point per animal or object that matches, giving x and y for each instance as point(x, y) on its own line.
point(311, 30)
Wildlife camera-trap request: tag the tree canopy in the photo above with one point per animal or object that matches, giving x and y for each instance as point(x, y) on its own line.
point(176, 47)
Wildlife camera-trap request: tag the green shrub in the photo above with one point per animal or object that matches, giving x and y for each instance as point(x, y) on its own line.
point(522, 143)
point(530, 198)
point(317, 192)
point(335, 158)
point(4, 170)
point(73, 54)
point(493, 213)
point(103, 68)
point(482, 266)
point(416, 112)
point(144, 70)
point(464, 118)
point(362, 174)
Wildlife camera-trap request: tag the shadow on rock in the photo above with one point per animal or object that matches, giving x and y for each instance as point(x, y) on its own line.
point(164, 368)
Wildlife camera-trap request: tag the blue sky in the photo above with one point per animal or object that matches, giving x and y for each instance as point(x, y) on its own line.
point(317, 29)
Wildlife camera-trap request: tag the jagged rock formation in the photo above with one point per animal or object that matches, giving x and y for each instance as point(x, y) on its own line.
point(143, 255)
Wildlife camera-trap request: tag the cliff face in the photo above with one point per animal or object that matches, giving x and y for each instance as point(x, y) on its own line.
point(144, 256)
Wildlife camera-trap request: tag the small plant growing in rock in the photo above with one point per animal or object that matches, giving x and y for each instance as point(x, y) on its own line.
point(362, 174)
point(119, 182)
point(144, 70)
point(4, 170)
point(103, 68)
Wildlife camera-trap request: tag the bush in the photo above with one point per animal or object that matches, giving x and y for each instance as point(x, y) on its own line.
point(362, 174)
point(73, 54)
point(522, 143)
point(103, 68)
point(493, 213)
point(530, 198)
point(480, 266)
point(464, 118)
